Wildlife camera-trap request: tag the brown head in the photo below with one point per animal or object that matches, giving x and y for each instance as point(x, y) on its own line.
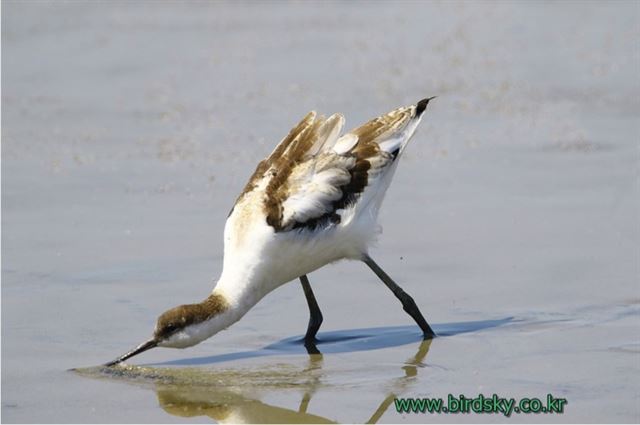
point(183, 326)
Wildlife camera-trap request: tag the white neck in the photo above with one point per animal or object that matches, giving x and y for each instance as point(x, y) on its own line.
point(242, 289)
point(239, 295)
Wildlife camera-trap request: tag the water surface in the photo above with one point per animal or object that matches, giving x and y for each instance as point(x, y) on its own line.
point(128, 131)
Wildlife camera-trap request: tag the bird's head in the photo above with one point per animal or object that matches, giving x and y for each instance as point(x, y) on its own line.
point(183, 326)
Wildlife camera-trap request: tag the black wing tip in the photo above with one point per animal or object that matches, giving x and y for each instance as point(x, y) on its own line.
point(422, 105)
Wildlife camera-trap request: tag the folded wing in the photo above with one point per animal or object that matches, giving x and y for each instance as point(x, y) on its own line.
point(313, 175)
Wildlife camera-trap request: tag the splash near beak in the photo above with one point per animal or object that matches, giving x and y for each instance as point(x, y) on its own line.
point(139, 349)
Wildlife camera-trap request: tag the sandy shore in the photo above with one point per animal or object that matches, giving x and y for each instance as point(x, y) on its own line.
point(128, 130)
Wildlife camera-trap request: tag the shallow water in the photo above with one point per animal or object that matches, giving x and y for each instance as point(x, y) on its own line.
point(127, 132)
point(206, 387)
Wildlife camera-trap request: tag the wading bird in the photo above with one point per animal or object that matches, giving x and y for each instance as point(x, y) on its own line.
point(313, 201)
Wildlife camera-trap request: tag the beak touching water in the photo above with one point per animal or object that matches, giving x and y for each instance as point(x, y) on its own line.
point(139, 349)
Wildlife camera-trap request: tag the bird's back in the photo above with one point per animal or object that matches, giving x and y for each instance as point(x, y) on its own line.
point(316, 197)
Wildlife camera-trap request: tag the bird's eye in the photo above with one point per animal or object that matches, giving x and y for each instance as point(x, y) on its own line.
point(170, 327)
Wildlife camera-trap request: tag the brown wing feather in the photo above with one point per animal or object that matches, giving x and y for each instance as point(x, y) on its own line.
point(278, 189)
point(296, 133)
point(369, 159)
point(378, 127)
point(293, 176)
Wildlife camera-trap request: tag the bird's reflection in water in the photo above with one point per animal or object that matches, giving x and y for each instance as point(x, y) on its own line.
point(231, 403)
point(400, 384)
point(232, 406)
point(233, 395)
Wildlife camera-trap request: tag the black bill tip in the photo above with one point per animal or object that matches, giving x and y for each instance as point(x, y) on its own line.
point(139, 349)
point(422, 105)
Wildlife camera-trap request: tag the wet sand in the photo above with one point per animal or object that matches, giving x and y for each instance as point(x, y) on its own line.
point(127, 132)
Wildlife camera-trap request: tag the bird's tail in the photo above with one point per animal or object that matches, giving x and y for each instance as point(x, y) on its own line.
point(391, 132)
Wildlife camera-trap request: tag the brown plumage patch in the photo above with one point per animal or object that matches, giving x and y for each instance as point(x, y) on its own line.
point(388, 123)
point(365, 149)
point(293, 155)
point(264, 165)
point(189, 314)
point(300, 146)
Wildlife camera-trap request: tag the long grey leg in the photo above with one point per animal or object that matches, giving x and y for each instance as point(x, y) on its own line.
point(315, 318)
point(407, 302)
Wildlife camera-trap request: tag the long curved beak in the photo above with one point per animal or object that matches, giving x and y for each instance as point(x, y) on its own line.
point(139, 349)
